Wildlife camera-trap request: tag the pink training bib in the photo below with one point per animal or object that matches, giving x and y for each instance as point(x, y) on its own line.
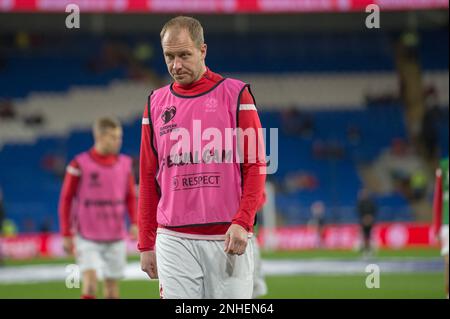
point(100, 203)
point(199, 177)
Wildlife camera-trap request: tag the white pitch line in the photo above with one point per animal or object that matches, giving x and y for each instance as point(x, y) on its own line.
point(47, 273)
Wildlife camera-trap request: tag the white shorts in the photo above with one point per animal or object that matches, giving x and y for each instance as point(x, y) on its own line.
point(259, 281)
point(200, 269)
point(444, 240)
point(108, 259)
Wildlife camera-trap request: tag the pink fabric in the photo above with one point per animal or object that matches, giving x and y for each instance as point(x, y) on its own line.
point(100, 205)
point(206, 192)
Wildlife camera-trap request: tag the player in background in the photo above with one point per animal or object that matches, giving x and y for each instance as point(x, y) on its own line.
point(196, 216)
point(440, 209)
point(98, 190)
point(318, 222)
point(367, 211)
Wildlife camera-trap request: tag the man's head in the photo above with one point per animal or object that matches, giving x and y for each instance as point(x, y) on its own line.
point(184, 49)
point(107, 135)
point(318, 209)
point(364, 194)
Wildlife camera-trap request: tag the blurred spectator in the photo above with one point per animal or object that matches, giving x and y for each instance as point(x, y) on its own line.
point(307, 127)
point(143, 52)
point(409, 42)
point(9, 228)
point(291, 121)
point(34, 120)
point(135, 61)
point(56, 164)
point(299, 181)
point(317, 221)
point(328, 150)
point(22, 41)
point(380, 99)
point(396, 167)
point(7, 110)
point(418, 184)
point(296, 123)
point(367, 211)
point(113, 55)
point(429, 133)
point(354, 135)
point(137, 72)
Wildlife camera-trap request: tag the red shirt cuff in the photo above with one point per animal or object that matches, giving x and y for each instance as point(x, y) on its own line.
point(144, 249)
point(247, 227)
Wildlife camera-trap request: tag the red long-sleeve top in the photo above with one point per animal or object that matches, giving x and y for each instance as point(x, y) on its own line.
point(70, 188)
point(254, 181)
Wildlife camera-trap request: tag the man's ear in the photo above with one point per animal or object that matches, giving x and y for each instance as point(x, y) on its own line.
point(203, 50)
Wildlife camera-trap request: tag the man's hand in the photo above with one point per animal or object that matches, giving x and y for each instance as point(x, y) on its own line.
point(133, 231)
point(236, 240)
point(148, 264)
point(68, 245)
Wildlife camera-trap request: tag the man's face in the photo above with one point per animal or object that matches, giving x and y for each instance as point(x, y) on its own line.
point(111, 140)
point(185, 60)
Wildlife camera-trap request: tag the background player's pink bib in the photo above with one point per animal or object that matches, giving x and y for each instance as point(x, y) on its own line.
point(100, 203)
point(196, 188)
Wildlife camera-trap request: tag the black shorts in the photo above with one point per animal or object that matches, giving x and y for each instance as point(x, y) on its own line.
point(367, 231)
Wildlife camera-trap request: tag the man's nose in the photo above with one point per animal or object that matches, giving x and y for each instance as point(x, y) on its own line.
point(177, 65)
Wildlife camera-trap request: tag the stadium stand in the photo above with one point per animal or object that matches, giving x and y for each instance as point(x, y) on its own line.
point(346, 127)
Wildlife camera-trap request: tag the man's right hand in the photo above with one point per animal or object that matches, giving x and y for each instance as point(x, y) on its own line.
point(68, 245)
point(148, 264)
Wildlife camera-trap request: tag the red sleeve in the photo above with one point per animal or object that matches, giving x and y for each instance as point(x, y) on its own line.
point(437, 203)
point(68, 192)
point(148, 194)
point(131, 199)
point(253, 166)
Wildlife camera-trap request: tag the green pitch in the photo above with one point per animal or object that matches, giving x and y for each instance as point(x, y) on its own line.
point(419, 285)
point(415, 285)
point(305, 254)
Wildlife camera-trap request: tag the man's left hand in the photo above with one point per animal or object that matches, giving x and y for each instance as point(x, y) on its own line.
point(236, 240)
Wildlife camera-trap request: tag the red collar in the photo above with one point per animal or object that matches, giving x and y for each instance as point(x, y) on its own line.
point(109, 159)
point(205, 83)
